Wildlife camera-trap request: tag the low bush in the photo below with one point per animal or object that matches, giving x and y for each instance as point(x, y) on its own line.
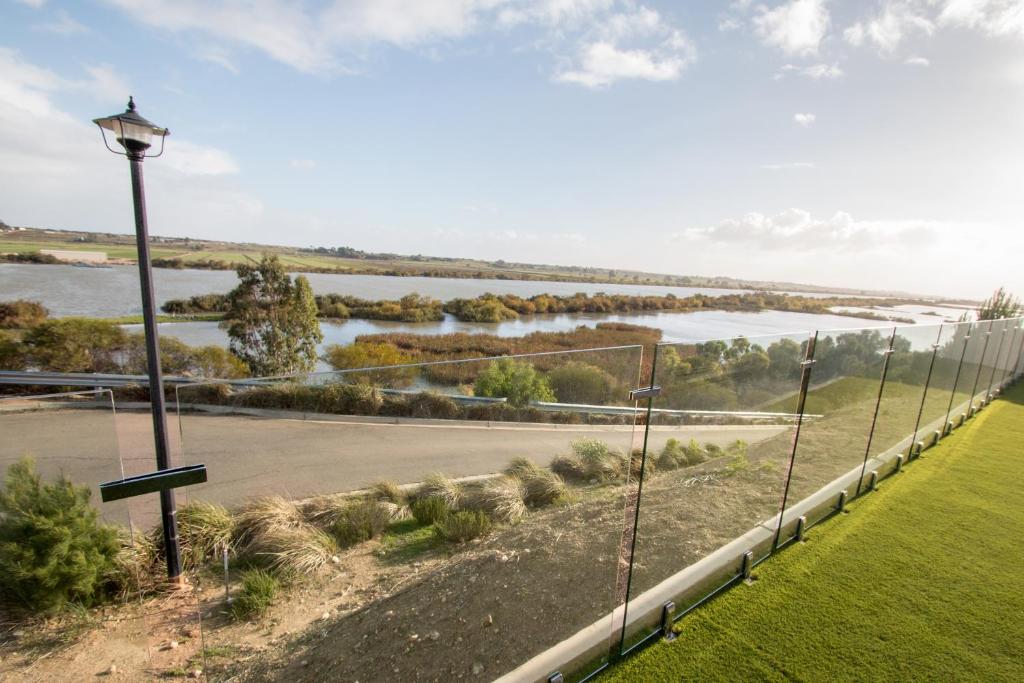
point(673, 455)
point(599, 462)
point(325, 511)
point(390, 492)
point(439, 486)
point(503, 498)
point(568, 466)
point(462, 526)
point(522, 467)
point(265, 515)
point(695, 455)
point(360, 522)
point(543, 487)
point(259, 588)
point(428, 404)
point(426, 511)
point(22, 314)
point(294, 551)
point(133, 572)
point(53, 550)
point(202, 529)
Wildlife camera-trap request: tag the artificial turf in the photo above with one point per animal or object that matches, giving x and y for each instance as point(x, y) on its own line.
point(921, 580)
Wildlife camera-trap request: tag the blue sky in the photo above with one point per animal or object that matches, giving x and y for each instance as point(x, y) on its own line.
point(875, 144)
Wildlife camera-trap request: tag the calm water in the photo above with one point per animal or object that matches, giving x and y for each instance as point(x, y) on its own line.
point(110, 292)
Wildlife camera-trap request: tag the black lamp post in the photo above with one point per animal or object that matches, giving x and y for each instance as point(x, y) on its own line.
point(135, 134)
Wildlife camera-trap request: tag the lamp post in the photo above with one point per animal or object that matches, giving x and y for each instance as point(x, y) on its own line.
point(135, 135)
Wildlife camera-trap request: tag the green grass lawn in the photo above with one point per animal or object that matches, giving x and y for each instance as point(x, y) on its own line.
point(920, 581)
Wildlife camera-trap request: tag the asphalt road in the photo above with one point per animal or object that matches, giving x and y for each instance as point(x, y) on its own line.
point(254, 456)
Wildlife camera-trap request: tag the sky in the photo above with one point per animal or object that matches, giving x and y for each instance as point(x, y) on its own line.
point(862, 144)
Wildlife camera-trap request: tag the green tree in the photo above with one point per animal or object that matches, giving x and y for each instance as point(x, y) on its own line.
point(53, 550)
point(577, 382)
point(75, 345)
point(273, 325)
point(11, 355)
point(1001, 304)
point(21, 313)
point(518, 382)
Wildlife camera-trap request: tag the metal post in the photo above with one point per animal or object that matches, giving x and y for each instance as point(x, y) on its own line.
point(981, 362)
point(956, 381)
point(805, 380)
point(924, 396)
point(878, 404)
point(168, 513)
point(636, 511)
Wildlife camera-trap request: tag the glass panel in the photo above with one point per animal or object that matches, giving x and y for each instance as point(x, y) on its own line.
point(1010, 369)
point(718, 449)
point(1005, 348)
point(838, 414)
point(438, 520)
point(974, 342)
point(74, 435)
point(946, 373)
point(902, 396)
point(977, 351)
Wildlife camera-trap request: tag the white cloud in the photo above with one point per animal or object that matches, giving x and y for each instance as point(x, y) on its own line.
point(608, 40)
point(302, 163)
point(916, 61)
point(796, 229)
point(788, 166)
point(796, 27)
point(854, 35)
point(63, 25)
point(804, 120)
point(994, 17)
point(105, 84)
point(815, 72)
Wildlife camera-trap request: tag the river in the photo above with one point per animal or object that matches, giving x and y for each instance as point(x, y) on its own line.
point(114, 291)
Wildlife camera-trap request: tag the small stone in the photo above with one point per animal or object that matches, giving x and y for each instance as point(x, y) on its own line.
point(112, 670)
point(414, 637)
point(325, 616)
point(434, 635)
point(173, 645)
point(489, 620)
point(304, 662)
point(390, 613)
point(335, 559)
point(478, 668)
point(196, 673)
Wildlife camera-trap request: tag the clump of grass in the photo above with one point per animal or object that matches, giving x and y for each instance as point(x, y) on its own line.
point(259, 588)
point(439, 486)
point(462, 526)
point(264, 516)
point(522, 467)
point(599, 462)
point(291, 551)
point(202, 529)
point(568, 467)
point(133, 573)
point(502, 498)
point(391, 496)
point(672, 456)
point(361, 522)
point(637, 466)
point(429, 510)
point(738, 461)
point(325, 511)
point(695, 455)
point(543, 487)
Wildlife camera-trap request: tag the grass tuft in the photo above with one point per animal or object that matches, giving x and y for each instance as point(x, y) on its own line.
point(437, 485)
point(361, 521)
point(429, 510)
point(503, 498)
point(259, 588)
point(462, 526)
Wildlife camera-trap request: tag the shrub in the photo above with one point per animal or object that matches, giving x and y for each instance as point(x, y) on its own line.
point(259, 588)
point(264, 515)
point(11, 355)
point(713, 450)
point(503, 498)
point(21, 313)
point(325, 511)
point(637, 466)
point(439, 486)
point(348, 399)
point(598, 460)
point(462, 526)
point(568, 466)
point(543, 487)
point(133, 572)
point(292, 551)
point(673, 455)
point(75, 345)
point(513, 380)
point(521, 467)
point(390, 492)
point(428, 404)
point(695, 455)
point(202, 528)
point(429, 510)
point(361, 522)
point(53, 549)
point(577, 382)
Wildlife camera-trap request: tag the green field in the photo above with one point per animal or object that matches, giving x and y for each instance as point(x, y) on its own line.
point(920, 581)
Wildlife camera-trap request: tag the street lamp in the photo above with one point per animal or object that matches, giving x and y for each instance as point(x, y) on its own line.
point(135, 135)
